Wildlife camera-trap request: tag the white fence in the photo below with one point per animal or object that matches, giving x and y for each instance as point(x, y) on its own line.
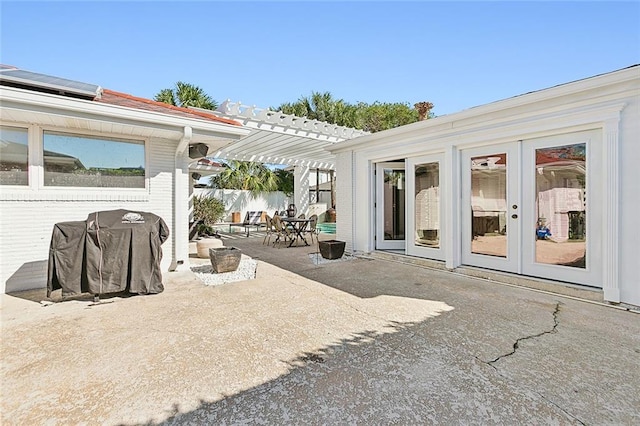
point(243, 201)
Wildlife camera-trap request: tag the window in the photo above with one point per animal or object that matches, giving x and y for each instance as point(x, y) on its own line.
point(87, 161)
point(14, 156)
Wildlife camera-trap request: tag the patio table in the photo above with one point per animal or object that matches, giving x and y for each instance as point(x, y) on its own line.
point(298, 226)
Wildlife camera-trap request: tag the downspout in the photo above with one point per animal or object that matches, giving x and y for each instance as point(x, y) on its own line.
point(179, 210)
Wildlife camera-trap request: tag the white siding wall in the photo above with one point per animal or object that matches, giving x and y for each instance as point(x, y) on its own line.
point(27, 219)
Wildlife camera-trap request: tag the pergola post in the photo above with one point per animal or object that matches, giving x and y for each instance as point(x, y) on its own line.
point(301, 188)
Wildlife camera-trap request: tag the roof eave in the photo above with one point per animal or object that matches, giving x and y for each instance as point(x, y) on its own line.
point(28, 97)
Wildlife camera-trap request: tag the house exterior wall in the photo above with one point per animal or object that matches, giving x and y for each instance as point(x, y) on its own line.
point(27, 216)
point(608, 104)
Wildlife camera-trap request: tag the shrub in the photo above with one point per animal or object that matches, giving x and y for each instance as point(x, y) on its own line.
point(208, 209)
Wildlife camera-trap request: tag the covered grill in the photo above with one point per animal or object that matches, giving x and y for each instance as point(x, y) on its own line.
point(110, 252)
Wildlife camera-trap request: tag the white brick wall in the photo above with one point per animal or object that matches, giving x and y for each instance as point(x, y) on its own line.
point(344, 199)
point(27, 218)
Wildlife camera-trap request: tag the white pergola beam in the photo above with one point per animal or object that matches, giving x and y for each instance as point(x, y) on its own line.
point(279, 138)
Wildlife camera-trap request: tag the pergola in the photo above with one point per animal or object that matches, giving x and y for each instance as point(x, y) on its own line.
point(278, 138)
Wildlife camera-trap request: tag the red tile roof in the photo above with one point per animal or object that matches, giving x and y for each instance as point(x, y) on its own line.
point(122, 99)
point(209, 163)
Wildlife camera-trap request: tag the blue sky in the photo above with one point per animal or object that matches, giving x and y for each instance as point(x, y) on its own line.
point(454, 54)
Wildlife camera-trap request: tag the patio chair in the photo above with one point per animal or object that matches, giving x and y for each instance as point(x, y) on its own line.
point(270, 230)
point(281, 231)
point(312, 229)
point(252, 218)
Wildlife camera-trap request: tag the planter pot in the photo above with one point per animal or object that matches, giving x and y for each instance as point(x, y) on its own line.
point(331, 249)
point(204, 245)
point(225, 259)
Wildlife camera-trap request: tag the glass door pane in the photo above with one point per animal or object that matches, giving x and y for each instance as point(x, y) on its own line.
point(391, 189)
point(393, 199)
point(489, 204)
point(427, 205)
point(561, 205)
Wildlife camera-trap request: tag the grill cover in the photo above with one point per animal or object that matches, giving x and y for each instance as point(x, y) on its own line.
point(111, 252)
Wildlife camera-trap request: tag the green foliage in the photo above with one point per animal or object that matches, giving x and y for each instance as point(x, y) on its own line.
point(382, 116)
point(186, 95)
point(245, 175)
point(285, 181)
point(208, 209)
point(369, 117)
point(322, 107)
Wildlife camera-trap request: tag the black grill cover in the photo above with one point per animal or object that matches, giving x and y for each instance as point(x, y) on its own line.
point(111, 252)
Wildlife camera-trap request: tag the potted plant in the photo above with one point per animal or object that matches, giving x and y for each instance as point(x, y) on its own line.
point(207, 211)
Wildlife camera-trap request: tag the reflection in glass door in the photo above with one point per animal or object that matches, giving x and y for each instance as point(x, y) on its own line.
point(390, 206)
point(561, 205)
point(489, 204)
point(425, 207)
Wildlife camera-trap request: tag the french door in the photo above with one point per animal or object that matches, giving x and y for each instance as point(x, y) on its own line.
point(491, 207)
point(391, 186)
point(534, 207)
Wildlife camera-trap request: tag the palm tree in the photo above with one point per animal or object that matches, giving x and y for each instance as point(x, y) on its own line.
point(186, 95)
point(245, 175)
point(322, 107)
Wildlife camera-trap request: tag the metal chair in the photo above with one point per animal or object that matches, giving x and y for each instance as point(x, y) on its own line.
point(280, 230)
point(312, 229)
point(269, 231)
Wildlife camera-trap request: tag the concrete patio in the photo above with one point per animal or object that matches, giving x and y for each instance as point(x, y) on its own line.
point(363, 341)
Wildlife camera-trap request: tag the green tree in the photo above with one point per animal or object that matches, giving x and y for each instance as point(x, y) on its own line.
point(186, 95)
point(322, 107)
point(370, 117)
point(382, 116)
point(285, 181)
point(245, 175)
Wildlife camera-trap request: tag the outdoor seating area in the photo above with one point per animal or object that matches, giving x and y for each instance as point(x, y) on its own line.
point(291, 230)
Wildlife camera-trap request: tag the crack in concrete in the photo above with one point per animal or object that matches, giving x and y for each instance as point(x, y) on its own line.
point(533, 336)
point(515, 348)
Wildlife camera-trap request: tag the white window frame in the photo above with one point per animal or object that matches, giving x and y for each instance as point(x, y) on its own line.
point(37, 191)
point(95, 135)
point(21, 127)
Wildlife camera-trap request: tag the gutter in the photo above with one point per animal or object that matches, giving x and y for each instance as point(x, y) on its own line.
point(178, 192)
